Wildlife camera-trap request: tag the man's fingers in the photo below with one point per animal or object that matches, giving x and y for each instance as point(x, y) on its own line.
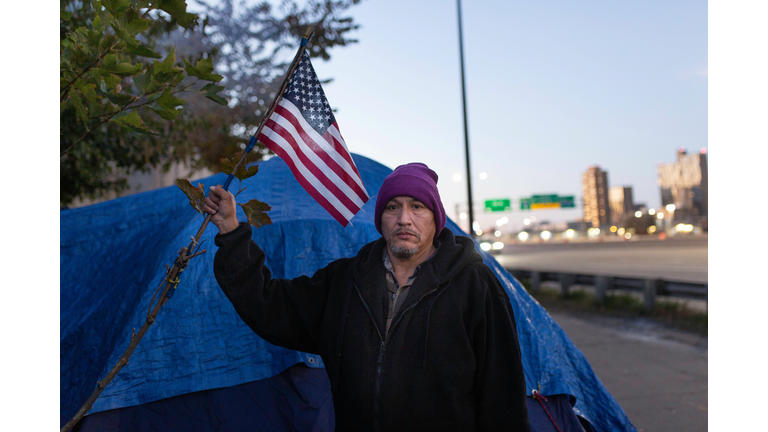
point(218, 192)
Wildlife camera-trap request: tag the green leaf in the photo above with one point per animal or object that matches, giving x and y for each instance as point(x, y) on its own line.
point(178, 10)
point(210, 91)
point(218, 99)
point(129, 40)
point(167, 67)
point(203, 70)
point(164, 113)
point(131, 121)
point(80, 110)
point(126, 69)
point(64, 15)
point(145, 82)
point(120, 99)
point(196, 195)
point(143, 51)
point(255, 211)
point(116, 7)
point(137, 26)
point(168, 101)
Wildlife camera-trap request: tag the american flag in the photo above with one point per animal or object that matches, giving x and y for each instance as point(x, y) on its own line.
point(303, 132)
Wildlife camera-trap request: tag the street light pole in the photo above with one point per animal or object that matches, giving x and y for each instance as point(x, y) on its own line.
point(466, 127)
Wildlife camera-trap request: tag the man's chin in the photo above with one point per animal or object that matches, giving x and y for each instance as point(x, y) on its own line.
point(403, 250)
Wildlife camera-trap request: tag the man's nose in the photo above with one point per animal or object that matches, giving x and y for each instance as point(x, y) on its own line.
point(404, 218)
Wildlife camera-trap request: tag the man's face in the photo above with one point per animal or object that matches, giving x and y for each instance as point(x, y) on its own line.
point(408, 226)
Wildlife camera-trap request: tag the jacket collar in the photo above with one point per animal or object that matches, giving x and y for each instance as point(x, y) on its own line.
point(369, 275)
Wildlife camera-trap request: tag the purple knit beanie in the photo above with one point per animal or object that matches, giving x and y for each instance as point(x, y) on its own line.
point(417, 181)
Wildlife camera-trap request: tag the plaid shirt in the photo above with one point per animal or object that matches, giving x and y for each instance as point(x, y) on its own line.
point(396, 294)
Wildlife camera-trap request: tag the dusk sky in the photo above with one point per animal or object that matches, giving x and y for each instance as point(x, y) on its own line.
point(551, 90)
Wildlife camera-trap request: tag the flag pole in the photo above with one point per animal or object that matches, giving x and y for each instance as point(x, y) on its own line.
point(296, 60)
point(168, 285)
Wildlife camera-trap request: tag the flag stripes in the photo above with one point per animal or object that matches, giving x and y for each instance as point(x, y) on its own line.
point(288, 113)
point(325, 173)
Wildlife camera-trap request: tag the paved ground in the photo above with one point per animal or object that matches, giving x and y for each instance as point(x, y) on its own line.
point(658, 376)
point(675, 260)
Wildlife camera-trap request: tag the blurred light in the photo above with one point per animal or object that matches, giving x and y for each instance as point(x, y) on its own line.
point(703, 150)
point(680, 227)
point(526, 221)
point(476, 226)
point(652, 229)
point(688, 227)
point(497, 233)
point(620, 231)
point(499, 223)
point(485, 246)
point(638, 214)
point(533, 218)
point(570, 233)
point(593, 231)
point(681, 149)
point(660, 215)
point(463, 216)
point(652, 212)
point(670, 207)
point(457, 177)
point(627, 236)
point(483, 176)
point(498, 245)
point(546, 235)
point(505, 219)
point(479, 232)
point(613, 228)
point(522, 236)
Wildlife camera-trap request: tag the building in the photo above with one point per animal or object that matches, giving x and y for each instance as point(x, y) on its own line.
point(685, 184)
point(594, 183)
point(621, 203)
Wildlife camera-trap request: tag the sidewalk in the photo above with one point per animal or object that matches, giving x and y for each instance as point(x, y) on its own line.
point(657, 375)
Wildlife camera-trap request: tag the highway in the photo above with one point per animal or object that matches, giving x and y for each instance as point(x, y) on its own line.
point(674, 259)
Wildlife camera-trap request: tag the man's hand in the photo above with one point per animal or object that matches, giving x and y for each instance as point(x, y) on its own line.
point(221, 204)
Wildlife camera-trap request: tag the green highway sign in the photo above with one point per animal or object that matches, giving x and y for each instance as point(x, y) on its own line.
point(544, 199)
point(567, 202)
point(550, 201)
point(498, 205)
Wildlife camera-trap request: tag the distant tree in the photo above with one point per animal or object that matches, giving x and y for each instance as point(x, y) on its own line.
point(120, 106)
point(253, 47)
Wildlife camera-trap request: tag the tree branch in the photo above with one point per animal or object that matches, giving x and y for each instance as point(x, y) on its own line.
point(110, 115)
point(66, 87)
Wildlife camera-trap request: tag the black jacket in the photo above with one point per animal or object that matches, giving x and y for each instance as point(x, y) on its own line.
point(451, 361)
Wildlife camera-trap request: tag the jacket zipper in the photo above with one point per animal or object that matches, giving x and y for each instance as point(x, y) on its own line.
point(380, 360)
point(382, 351)
point(377, 385)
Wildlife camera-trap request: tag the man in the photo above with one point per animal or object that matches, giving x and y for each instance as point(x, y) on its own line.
point(416, 333)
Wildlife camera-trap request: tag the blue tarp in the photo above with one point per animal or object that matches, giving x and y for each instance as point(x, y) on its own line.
point(113, 258)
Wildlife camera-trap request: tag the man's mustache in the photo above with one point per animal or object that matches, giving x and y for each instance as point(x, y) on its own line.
point(405, 230)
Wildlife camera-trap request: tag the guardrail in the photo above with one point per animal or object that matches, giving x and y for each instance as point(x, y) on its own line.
point(650, 288)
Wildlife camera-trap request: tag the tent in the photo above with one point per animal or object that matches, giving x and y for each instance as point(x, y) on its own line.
point(199, 367)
